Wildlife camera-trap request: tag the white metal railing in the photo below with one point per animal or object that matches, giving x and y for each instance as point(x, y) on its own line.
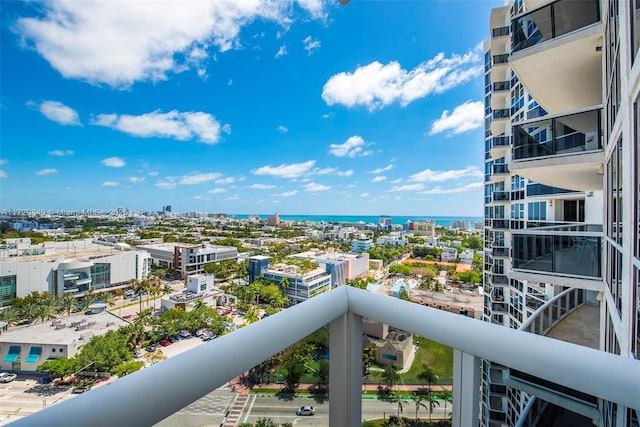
point(554, 310)
point(152, 394)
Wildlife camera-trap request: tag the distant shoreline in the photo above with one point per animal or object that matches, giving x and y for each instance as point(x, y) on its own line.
point(444, 221)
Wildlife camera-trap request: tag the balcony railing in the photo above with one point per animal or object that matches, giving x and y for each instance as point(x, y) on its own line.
point(499, 169)
point(500, 251)
point(561, 135)
point(150, 395)
point(552, 21)
point(501, 59)
point(500, 32)
point(500, 196)
point(501, 224)
point(500, 86)
point(501, 114)
point(500, 141)
point(561, 250)
point(554, 310)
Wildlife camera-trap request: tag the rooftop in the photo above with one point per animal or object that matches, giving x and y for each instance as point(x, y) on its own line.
point(64, 330)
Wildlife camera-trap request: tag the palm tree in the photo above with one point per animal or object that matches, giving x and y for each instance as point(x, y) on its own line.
point(418, 399)
point(47, 309)
point(428, 375)
point(88, 299)
point(284, 283)
point(397, 397)
point(29, 311)
point(11, 315)
point(140, 287)
point(433, 402)
point(444, 396)
point(67, 303)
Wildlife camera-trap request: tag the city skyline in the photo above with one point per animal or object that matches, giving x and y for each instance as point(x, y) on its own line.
point(298, 108)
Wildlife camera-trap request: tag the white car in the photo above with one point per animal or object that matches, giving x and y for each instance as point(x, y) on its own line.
point(6, 377)
point(306, 410)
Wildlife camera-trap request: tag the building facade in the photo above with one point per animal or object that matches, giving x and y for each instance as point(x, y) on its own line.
point(188, 258)
point(20, 276)
point(302, 284)
point(561, 139)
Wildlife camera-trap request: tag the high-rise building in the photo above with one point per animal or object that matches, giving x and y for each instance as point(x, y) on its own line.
point(562, 152)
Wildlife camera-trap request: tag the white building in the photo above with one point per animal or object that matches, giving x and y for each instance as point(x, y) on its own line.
point(448, 255)
point(24, 348)
point(395, 238)
point(562, 154)
point(303, 284)
point(356, 265)
point(188, 258)
point(59, 274)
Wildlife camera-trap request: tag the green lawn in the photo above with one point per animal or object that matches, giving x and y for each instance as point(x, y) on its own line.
point(439, 357)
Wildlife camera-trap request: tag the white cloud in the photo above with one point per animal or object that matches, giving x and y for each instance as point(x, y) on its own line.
point(113, 162)
point(282, 129)
point(227, 180)
point(217, 191)
point(174, 124)
point(3, 162)
point(364, 195)
point(380, 170)
point(352, 147)
point(110, 184)
point(261, 186)
point(408, 187)
point(346, 173)
point(3, 174)
point(197, 197)
point(154, 173)
point(287, 193)
point(378, 85)
point(474, 186)
point(119, 43)
point(328, 115)
point(59, 113)
point(282, 51)
point(137, 179)
point(46, 171)
point(464, 118)
point(167, 184)
point(61, 153)
point(234, 197)
point(428, 175)
point(314, 7)
point(293, 170)
point(199, 178)
point(378, 178)
point(310, 44)
point(314, 188)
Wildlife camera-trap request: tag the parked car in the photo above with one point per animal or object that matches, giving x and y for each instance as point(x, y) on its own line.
point(165, 342)
point(81, 389)
point(7, 377)
point(185, 334)
point(45, 380)
point(306, 410)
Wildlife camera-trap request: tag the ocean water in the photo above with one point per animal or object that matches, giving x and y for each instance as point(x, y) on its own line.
point(443, 221)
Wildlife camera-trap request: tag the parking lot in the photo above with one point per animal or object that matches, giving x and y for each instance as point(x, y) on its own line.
point(25, 396)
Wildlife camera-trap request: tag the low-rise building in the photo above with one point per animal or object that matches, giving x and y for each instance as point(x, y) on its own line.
point(423, 228)
point(188, 258)
point(361, 245)
point(302, 283)
point(76, 272)
point(393, 347)
point(24, 348)
point(448, 255)
point(355, 265)
point(394, 238)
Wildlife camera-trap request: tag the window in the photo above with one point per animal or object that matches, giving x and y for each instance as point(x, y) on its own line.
point(7, 289)
point(517, 211)
point(537, 211)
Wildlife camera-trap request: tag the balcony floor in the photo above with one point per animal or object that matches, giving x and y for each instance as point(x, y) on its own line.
point(581, 327)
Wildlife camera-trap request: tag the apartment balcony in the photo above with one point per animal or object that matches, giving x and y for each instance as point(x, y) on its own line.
point(500, 224)
point(500, 146)
point(499, 279)
point(559, 255)
point(500, 252)
point(561, 150)
point(500, 172)
point(500, 197)
point(499, 67)
point(556, 53)
point(500, 95)
point(150, 395)
point(569, 318)
point(499, 32)
point(500, 120)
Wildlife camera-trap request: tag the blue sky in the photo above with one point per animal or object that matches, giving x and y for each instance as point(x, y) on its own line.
point(304, 107)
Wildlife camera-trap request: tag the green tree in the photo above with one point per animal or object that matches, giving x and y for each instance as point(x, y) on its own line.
point(295, 370)
point(390, 376)
point(404, 294)
point(60, 367)
point(127, 368)
point(427, 375)
point(418, 400)
point(67, 303)
point(11, 315)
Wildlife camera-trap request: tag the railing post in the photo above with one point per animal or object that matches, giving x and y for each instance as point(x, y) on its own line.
point(466, 389)
point(345, 371)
